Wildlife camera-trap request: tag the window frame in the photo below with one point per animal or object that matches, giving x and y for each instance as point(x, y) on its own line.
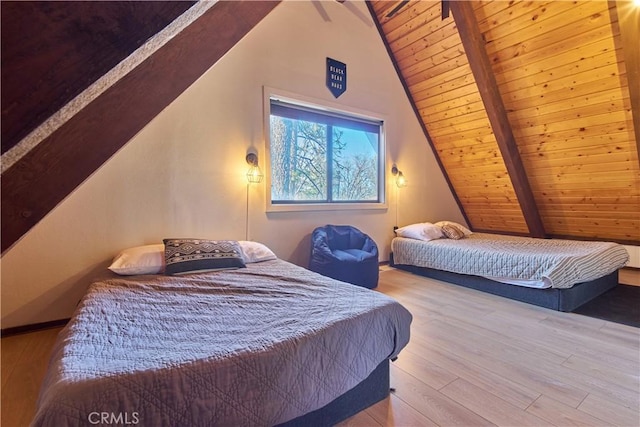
point(318, 107)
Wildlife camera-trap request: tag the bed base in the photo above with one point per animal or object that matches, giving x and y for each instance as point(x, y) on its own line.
point(371, 390)
point(556, 299)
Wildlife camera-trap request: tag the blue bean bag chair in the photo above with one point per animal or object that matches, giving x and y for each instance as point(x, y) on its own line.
point(344, 253)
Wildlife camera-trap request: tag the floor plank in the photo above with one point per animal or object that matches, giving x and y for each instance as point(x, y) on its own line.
point(433, 375)
point(393, 411)
point(434, 405)
point(594, 369)
point(361, 419)
point(605, 409)
point(508, 390)
point(562, 415)
point(20, 388)
point(490, 406)
point(12, 349)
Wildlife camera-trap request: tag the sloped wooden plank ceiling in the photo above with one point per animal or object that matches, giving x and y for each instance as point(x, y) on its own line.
point(561, 76)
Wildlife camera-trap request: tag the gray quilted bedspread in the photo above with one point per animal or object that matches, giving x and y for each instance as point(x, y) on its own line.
point(562, 262)
point(248, 347)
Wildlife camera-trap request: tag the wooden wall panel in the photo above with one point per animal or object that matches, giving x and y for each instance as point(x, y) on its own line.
point(625, 19)
point(565, 86)
point(414, 15)
point(430, 56)
point(564, 81)
point(532, 20)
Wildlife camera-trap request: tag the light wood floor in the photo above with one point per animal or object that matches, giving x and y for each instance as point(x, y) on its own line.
point(24, 362)
point(473, 359)
point(478, 359)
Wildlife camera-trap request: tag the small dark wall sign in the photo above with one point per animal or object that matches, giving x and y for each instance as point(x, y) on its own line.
point(336, 77)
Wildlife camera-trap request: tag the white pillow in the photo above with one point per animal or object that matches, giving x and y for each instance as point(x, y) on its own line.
point(255, 252)
point(432, 231)
point(464, 229)
point(420, 231)
point(148, 259)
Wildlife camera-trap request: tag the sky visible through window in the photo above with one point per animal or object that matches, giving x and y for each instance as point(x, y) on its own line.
point(359, 142)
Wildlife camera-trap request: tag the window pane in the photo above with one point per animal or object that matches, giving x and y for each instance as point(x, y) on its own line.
point(298, 160)
point(355, 165)
point(321, 156)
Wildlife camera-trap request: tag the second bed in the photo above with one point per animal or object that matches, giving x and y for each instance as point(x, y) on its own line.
point(552, 273)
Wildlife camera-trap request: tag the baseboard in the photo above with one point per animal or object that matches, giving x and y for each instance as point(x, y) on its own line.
point(629, 276)
point(33, 327)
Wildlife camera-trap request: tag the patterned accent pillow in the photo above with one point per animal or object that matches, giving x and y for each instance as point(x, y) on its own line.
point(464, 229)
point(184, 256)
point(452, 232)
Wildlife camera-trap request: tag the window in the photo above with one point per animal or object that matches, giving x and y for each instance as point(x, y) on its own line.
point(319, 156)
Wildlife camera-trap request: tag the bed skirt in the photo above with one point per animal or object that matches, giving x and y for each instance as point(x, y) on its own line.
point(371, 390)
point(556, 299)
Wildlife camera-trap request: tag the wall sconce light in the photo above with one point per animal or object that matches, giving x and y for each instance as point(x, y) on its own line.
point(401, 181)
point(254, 174)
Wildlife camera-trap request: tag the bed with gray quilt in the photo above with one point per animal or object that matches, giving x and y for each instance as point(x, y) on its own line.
point(553, 273)
point(256, 346)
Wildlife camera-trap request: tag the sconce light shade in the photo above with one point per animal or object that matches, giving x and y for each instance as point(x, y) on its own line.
point(401, 181)
point(254, 174)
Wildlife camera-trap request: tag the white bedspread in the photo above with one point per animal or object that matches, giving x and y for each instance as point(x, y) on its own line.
point(561, 263)
point(249, 347)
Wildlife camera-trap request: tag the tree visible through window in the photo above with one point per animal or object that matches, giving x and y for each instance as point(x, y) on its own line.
point(319, 157)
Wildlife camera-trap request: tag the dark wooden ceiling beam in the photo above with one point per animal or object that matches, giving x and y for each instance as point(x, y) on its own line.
point(396, 9)
point(629, 22)
point(474, 47)
point(46, 175)
point(53, 50)
point(444, 6)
